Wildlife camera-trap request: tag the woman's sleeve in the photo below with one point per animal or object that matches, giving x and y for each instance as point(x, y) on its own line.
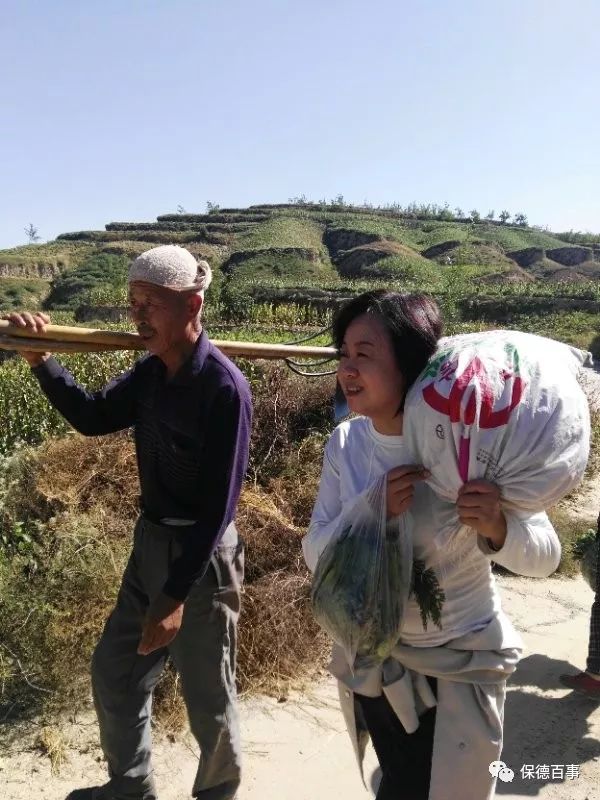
point(326, 514)
point(532, 547)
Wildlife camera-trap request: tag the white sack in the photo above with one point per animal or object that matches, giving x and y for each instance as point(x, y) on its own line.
point(505, 406)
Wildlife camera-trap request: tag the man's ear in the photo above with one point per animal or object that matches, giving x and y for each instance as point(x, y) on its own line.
point(194, 305)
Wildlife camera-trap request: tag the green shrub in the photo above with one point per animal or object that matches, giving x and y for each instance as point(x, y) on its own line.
point(73, 287)
point(27, 293)
point(409, 268)
point(27, 416)
point(575, 535)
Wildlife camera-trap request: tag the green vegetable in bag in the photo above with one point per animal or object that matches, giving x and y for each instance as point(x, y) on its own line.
point(362, 581)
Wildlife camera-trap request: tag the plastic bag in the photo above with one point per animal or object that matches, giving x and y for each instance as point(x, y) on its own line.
point(362, 580)
point(505, 406)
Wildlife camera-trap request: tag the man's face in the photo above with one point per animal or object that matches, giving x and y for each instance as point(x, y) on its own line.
point(161, 316)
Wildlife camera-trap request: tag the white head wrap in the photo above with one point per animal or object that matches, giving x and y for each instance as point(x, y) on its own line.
point(173, 267)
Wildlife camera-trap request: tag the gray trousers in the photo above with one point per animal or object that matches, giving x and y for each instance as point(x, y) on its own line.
point(204, 654)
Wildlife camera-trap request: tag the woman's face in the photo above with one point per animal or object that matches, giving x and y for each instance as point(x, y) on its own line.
point(369, 375)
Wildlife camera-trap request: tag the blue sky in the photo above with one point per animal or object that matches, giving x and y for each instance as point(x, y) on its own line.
point(124, 110)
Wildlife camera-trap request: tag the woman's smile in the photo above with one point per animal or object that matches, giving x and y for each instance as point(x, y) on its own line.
point(369, 375)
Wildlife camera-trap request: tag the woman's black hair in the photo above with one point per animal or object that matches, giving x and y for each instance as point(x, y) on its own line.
point(413, 322)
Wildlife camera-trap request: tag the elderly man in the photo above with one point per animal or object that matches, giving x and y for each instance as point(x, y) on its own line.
point(190, 408)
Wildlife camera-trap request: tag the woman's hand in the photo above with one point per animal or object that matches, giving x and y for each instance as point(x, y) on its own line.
point(36, 323)
point(401, 487)
point(479, 507)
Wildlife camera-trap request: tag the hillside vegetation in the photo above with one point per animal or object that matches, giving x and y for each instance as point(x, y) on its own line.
point(265, 253)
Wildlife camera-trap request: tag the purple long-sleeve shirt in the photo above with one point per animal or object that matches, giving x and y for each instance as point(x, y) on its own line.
point(192, 437)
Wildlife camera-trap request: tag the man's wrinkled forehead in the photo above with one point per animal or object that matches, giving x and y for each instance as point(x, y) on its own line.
point(141, 289)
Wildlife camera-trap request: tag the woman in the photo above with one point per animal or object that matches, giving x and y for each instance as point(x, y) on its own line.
point(456, 648)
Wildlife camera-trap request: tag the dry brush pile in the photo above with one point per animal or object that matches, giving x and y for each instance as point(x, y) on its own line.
point(68, 509)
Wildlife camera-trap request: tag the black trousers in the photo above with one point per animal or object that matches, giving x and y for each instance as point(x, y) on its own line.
point(404, 758)
point(593, 660)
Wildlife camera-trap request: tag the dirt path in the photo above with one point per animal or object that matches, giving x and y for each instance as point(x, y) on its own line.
point(298, 750)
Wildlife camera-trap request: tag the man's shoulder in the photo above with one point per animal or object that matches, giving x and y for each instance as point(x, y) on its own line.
point(224, 373)
point(140, 369)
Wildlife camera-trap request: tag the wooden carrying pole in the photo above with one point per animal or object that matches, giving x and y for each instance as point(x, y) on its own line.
point(65, 339)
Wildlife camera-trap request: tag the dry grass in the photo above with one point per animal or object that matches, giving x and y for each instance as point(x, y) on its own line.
point(77, 475)
point(54, 602)
point(51, 742)
point(170, 714)
point(272, 541)
point(287, 409)
point(280, 643)
point(75, 499)
point(281, 646)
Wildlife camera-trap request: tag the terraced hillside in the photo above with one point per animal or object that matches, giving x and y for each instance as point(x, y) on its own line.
point(273, 253)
